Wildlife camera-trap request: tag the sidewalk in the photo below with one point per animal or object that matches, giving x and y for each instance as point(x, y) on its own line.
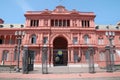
point(59, 76)
point(61, 73)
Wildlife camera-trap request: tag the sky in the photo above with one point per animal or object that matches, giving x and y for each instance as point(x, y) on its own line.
point(106, 11)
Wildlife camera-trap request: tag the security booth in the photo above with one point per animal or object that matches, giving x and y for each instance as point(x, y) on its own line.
point(91, 60)
point(44, 60)
point(27, 60)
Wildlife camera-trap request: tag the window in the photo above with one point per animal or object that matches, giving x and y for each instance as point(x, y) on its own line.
point(34, 23)
point(112, 41)
point(85, 23)
point(68, 22)
point(64, 22)
point(100, 41)
point(1, 41)
point(102, 56)
point(75, 40)
point(52, 22)
point(88, 23)
point(45, 40)
point(76, 57)
point(22, 26)
point(56, 22)
point(113, 57)
point(10, 41)
point(87, 56)
point(33, 39)
point(60, 23)
point(5, 55)
point(45, 22)
point(86, 39)
point(15, 53)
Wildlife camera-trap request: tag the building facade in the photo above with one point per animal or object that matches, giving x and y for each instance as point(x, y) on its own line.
point(66, 34)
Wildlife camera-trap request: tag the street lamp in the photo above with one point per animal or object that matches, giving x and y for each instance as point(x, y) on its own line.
point(44, 59)
point(19, 35)
point(109, 55)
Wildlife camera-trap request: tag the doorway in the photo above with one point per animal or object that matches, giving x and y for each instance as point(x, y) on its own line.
point(60, 53)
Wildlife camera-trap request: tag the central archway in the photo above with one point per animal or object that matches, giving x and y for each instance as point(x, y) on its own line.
point(60, 53)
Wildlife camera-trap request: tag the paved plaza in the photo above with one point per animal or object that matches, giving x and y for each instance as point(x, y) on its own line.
point(75, 76)
point(61, 73)
point(67, 79)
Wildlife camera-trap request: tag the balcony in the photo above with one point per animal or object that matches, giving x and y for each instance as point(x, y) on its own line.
point(7, 45)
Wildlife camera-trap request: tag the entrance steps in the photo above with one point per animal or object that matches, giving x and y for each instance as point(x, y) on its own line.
point(69, 65)
point(81, 65)
point(70, 68)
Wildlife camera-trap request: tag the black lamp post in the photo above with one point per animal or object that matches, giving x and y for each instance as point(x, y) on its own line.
point(19, 35)
point(110, 54)
point(44, 60)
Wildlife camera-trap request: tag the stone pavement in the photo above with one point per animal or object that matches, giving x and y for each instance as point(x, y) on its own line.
point(67, 79)
point(61, 73)
point(72, 76)
point(65, 69)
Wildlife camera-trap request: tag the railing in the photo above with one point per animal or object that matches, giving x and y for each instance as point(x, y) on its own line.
point(7, 45)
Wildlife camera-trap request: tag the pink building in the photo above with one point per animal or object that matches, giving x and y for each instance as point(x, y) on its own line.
point(64, 32)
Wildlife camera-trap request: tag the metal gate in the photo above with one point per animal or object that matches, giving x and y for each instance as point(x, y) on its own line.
point(30, 60)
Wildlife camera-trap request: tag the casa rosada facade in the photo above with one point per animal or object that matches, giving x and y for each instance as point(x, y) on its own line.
point(63, 32)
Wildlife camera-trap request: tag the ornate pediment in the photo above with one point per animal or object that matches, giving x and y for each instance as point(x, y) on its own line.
point(60, 9)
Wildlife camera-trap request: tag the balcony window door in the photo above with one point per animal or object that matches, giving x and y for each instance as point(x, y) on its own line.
point(86, 39)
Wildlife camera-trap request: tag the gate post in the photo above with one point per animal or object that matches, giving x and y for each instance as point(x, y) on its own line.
point(44, 60)
point(25, 60)
point(91, 60)
point(109, 59)
point(110, 54)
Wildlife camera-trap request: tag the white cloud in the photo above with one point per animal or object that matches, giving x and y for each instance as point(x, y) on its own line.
point(24, 5)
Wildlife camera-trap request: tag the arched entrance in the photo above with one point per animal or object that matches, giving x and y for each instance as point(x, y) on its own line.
point(60, 53)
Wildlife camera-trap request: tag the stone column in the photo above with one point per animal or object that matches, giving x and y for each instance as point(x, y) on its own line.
point(5, 39)
point(80, 23)
point(72, 55)
point(69, 57)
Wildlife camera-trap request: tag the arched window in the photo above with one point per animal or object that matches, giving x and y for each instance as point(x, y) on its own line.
point(86, 39)
point(102, 56)
point(100, 41)
point(33, 39)
point(5, 55)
